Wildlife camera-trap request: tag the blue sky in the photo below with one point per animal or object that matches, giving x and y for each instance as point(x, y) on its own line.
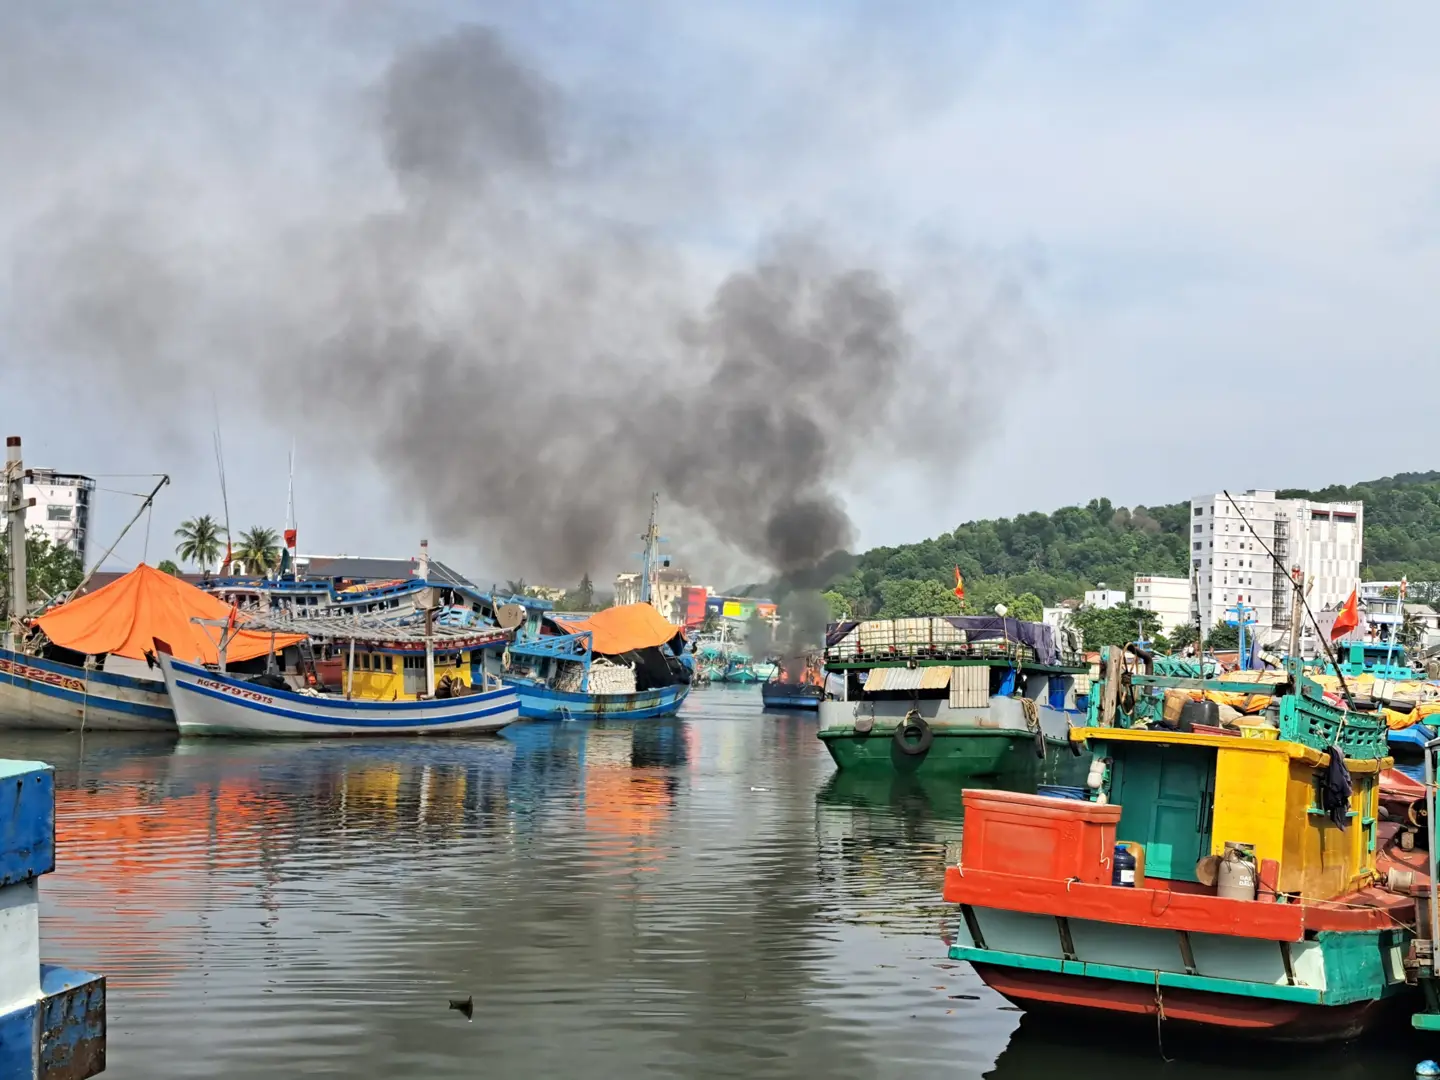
point(1226, 218)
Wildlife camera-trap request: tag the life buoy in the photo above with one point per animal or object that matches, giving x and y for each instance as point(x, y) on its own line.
point(917, 726)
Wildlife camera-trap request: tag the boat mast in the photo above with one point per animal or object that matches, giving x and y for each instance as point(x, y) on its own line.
point(290, 510)
point(650, 561)
point(145, 505)
point(15, 506)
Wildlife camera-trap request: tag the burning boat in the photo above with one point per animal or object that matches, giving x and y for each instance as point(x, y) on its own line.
point(804, 689)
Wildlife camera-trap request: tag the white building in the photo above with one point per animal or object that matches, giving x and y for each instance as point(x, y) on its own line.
point(1170, 598)
point(1104, 598)
point(1323, 539)
point(62, 509)
point(668, 596)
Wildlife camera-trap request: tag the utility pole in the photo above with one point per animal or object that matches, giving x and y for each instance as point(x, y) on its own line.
point(1297, 610)
point(15, 506)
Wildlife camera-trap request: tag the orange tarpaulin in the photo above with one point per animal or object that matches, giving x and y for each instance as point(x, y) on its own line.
point(125, 616)
point(620, 629)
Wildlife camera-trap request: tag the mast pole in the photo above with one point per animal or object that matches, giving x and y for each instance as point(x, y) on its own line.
point(1399, 622)
point(650, 561)
point(149, 501)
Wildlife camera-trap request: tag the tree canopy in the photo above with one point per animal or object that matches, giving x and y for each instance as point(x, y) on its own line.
point(200, 541)
point(1040, 559)
point(50, 569)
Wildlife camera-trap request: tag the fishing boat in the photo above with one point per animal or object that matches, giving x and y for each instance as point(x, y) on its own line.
point(398, 680)
point(621, 663)
point(804, 690)
point(1239, 879)
point(81, 665)
point(977, 695)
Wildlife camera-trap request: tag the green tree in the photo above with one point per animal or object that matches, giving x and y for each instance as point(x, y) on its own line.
point(167, 566)
point(1027, 606)
point(515, 588)
point(200, 541)
point(1114, 626)
point(259, 549)
point(838, 604)
point(1223, 637)
point(51, 570)
point(908, 598)
point(581, 598)
point(1182, 636)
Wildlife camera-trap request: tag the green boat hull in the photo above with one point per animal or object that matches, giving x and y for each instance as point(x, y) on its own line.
point(968, 752)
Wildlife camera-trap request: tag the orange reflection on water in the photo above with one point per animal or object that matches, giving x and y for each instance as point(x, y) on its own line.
point(137, 870)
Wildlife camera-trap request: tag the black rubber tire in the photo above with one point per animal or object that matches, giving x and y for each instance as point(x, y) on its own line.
point(1040, 746)
point(1076, 748)
point(917, 725)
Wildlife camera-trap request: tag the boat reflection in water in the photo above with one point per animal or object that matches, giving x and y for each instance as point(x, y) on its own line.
point(1042, 1047)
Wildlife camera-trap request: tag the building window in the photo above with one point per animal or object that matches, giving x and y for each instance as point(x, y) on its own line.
point(1197, 545)
point(1199, 510)
point(1197, 527)
point(62, 513)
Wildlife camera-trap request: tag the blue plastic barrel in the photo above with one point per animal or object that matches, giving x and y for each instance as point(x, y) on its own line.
point(1058, 791)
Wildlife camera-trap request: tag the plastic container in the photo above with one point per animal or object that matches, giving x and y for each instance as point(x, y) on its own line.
point(1195, 713)
point(1059, 791)
point(1014, 833)
point(1259, 731)
point(1124, 863)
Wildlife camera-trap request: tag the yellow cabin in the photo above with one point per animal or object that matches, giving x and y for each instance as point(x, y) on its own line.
point(1185, 795)
point(395, 674)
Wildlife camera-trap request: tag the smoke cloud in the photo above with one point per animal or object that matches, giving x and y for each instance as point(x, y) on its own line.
point(493, 323)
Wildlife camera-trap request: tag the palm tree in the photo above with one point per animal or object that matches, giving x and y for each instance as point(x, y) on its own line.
point(166, 566)
point(199, 541)
point(259, 549)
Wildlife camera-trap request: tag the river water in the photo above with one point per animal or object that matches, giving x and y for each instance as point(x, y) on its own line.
point(698, 897)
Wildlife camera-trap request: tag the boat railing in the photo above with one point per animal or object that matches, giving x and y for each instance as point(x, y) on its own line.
point(993, 650)
point(574, 647)
point(1127, 696)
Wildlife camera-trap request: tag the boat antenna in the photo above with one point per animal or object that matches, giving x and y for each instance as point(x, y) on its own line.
point(1300, 592)
point(220, 466)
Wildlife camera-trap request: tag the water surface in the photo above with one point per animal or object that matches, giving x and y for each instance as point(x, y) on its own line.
point(699, 897)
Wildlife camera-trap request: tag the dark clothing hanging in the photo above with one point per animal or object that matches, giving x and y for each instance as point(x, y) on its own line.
point(1335, 791)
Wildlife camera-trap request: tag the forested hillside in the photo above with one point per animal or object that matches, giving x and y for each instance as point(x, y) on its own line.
point(1039, 558)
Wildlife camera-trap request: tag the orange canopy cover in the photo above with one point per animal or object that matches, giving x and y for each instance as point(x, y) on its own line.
point(125, 616)
point(620, 629)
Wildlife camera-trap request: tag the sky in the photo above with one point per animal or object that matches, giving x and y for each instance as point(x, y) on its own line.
point(1217, 227)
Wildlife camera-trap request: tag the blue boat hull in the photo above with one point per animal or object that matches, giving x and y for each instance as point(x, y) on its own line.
point(789, 701)
point(542, 703)
point(44, 695)
point(1409, 743)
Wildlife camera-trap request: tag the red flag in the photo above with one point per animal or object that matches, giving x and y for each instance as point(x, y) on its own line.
point(959, 584)
point(230, 620)
point(228, 556)
point(289, 538)
point(1347, 618)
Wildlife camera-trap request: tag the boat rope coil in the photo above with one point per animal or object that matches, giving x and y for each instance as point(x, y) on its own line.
point(1032, 724)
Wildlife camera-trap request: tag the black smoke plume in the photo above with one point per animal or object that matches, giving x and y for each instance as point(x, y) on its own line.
point(486, 318)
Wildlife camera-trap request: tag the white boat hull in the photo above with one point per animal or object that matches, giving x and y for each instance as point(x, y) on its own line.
point(207, 703)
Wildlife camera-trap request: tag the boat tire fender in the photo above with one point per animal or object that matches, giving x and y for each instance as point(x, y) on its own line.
point(1039, 744)
point(1076, 748)
point(924, 736)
